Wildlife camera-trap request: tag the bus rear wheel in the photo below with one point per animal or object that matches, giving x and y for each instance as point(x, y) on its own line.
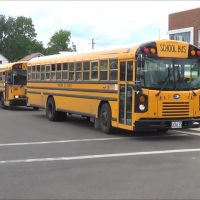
point(105, 119)
point(51, 112)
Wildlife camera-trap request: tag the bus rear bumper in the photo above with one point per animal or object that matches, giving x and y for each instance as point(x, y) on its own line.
point(151, 124)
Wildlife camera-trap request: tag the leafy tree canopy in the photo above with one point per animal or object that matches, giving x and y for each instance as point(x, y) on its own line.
point(17, 38)
point(60, 42)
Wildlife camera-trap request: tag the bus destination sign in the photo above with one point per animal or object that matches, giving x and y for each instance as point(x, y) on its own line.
point(173, 49)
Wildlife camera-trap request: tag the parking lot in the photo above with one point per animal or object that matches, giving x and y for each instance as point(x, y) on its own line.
point(40, 159)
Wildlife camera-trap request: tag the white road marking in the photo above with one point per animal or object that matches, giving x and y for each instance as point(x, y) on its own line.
point(84, 157)
point(82, 140)
point(62, 141)
point(188, 133)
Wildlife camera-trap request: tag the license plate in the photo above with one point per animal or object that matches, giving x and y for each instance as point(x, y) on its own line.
point(176, 124)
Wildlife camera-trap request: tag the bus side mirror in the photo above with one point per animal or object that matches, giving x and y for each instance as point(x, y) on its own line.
point(137, 88)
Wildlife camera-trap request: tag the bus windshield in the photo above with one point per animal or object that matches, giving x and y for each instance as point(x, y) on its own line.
point(170, 74)
point(19, 77)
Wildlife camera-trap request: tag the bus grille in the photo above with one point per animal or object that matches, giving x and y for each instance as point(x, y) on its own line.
point(175, 109)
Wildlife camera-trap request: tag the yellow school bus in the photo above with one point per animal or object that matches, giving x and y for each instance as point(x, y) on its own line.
point(152, 86)
point(13, 80)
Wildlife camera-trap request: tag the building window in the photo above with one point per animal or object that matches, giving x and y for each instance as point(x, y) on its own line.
point(198, 38)
point(185, 36)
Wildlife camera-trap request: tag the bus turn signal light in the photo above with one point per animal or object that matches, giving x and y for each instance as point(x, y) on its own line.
point(193, 52)
point(153, 50)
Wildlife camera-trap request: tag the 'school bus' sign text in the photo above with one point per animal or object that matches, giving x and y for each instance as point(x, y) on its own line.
point(172, 49)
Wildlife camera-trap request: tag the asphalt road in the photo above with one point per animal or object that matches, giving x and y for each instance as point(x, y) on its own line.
point(72, 160)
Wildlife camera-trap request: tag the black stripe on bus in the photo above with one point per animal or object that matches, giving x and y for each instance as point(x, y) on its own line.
point(74, 89)
point(30, 92)
point(82, 96)
point(75, 82)
point(76, 96)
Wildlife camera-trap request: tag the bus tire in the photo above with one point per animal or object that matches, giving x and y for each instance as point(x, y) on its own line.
point(105, 119)
point(2, 101)
point(51, 112)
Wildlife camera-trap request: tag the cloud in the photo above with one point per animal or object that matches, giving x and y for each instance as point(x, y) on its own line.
point(110, 23)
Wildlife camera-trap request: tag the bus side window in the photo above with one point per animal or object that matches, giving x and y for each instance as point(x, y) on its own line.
point(94, 70)
point(65, 71)
point(33, 72)
point(113, 69)
point(38, 72)
point(103, 69)
point(79, 71)
point(0, 76)
point(58, 71)
point(53, 72)
point(86, 70)
point(71, 71)
point(47, 72)
point(42, 72)
point(29, 73)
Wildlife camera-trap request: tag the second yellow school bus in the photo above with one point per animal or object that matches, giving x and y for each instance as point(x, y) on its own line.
point(13, 80)
point(153, 86)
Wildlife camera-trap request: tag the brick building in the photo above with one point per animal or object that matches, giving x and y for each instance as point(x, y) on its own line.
point(185, 26)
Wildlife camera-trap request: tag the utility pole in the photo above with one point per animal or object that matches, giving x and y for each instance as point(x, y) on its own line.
point(93, 43)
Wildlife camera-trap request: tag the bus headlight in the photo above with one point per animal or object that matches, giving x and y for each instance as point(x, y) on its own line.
point(141, 103)
point(16, 96)
point(142, 107)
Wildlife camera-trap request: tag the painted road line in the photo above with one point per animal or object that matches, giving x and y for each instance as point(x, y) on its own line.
point(63, 141)
point(84, 140)
point(188, 133)
point(85, 157)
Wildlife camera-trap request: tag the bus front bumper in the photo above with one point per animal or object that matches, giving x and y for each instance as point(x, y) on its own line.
point(18, 102)
point(156, 124)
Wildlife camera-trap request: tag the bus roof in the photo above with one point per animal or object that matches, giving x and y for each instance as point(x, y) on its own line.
point(79, 56)
point(93, 55)
point(8, 66)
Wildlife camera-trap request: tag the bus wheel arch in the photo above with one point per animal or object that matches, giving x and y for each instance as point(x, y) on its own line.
point(105, 117)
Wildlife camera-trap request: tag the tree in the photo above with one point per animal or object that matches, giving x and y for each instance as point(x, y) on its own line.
point(18, 38)
point(60, 42)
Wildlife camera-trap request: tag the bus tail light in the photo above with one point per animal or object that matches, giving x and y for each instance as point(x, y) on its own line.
point(198, 53)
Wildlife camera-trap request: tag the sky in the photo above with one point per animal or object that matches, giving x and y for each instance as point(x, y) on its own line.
point(111, 24)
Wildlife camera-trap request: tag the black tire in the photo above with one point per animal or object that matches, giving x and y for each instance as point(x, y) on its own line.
point(51, 112)
point(35, 108)
point(2, 101)
point(105, 119)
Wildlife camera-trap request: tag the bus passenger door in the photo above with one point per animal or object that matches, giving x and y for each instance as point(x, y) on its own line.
point(125, 92)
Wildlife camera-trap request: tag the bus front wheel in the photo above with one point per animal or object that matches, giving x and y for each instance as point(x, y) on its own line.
point(2, 101)
point(105, 119)
point(51, 112)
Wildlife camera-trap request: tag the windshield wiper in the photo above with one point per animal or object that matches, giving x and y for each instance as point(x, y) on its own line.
point(165, 83)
